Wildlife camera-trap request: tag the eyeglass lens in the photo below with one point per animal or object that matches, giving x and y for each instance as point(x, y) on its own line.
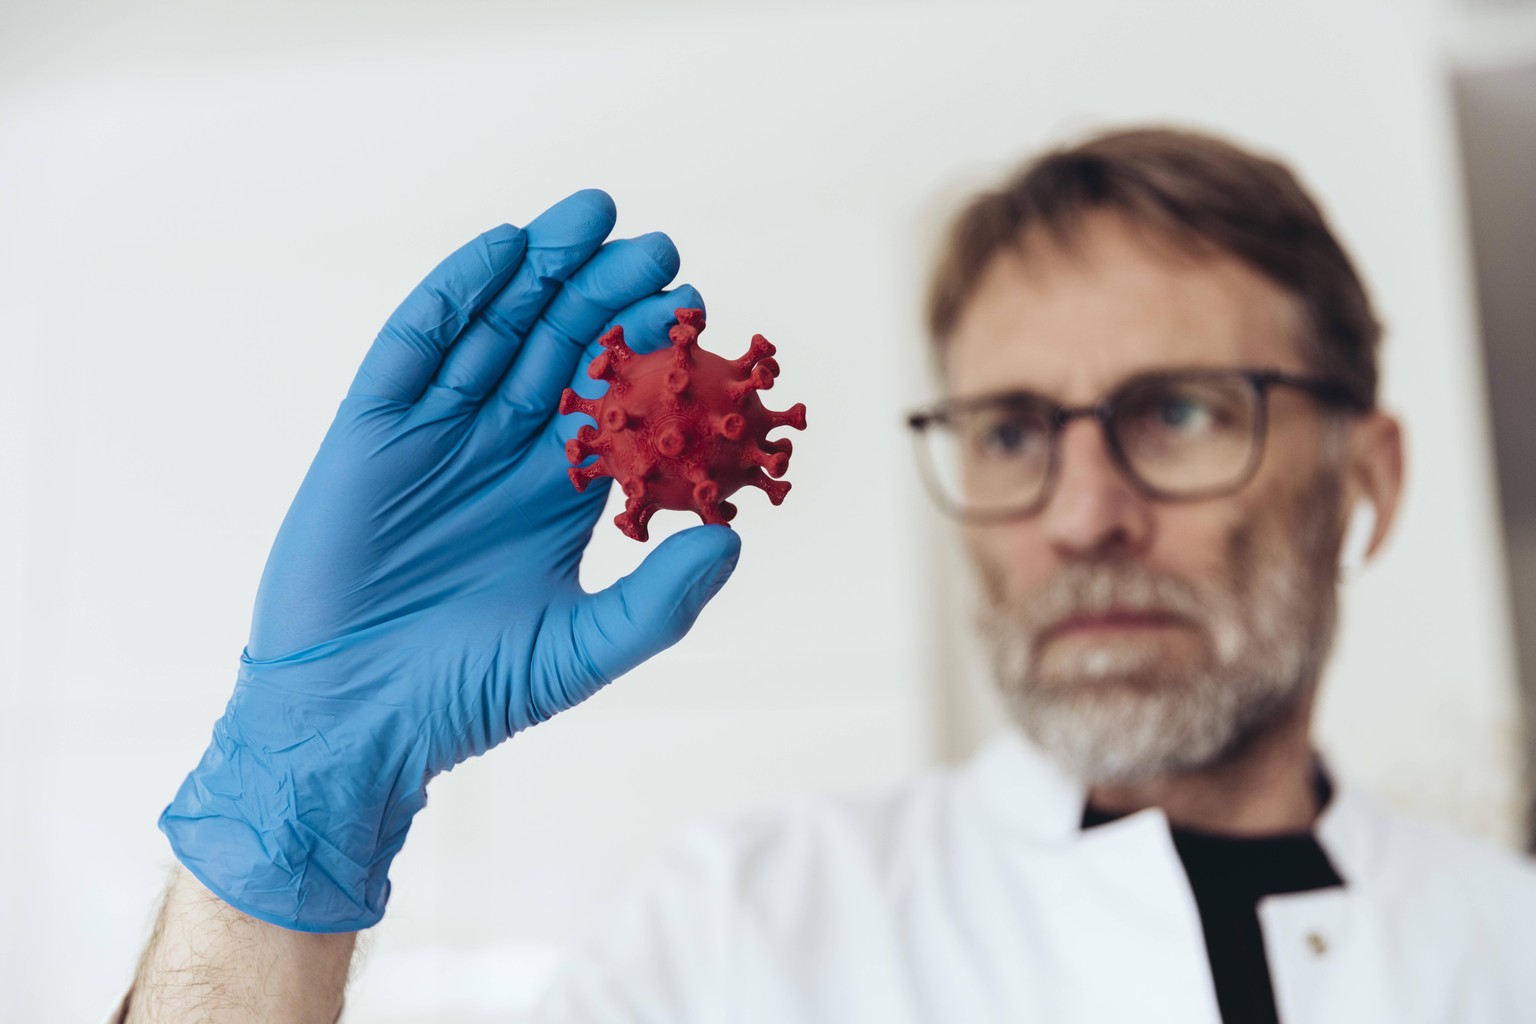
point(1178, 437)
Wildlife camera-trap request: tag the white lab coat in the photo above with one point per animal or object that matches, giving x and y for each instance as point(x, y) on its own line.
point(976, 897)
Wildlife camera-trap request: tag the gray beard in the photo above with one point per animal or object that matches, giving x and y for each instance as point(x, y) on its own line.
point(1125, 710)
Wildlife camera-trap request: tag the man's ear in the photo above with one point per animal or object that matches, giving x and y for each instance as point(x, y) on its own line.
point(1358, 533)
point(1374, 473)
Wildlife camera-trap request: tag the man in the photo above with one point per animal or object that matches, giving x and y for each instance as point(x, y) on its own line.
point(1160, 370)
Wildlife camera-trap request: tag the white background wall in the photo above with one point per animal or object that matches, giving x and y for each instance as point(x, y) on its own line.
point(206, 212)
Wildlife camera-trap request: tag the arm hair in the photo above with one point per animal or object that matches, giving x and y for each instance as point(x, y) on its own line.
point(206, 961)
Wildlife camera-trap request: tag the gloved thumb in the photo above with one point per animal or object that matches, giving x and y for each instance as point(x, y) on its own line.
point(650, 609)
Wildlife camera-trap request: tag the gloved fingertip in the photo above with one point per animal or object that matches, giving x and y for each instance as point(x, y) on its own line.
point(686, 296)
point(505, 243)
point(590, 204)
point(712, 552)
point(596, 197)
point(710, 537)
point(660, 247)
point(582, 219)
point(726, 566)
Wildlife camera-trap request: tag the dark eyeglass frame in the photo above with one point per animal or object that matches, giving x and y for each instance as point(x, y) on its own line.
point(1328, 391)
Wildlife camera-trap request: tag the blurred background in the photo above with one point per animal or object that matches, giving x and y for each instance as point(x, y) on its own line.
point(207, 211)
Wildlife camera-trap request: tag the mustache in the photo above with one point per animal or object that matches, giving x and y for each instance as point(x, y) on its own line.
point(1096, 588)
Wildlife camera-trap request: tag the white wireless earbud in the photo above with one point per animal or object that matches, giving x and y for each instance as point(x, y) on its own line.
point(1357, 540)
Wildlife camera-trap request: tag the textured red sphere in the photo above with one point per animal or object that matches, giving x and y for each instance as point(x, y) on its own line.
point(681, 428)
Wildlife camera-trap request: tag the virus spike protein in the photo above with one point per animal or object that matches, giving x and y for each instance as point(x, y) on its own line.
point(681, 428)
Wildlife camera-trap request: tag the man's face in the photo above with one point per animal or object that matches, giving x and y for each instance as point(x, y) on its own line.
point(1137, 638)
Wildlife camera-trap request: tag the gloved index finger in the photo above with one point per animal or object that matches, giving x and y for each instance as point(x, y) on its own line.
point(623, 272)
point(409, 349)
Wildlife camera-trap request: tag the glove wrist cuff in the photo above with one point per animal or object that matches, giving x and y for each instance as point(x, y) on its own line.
point(299, 806)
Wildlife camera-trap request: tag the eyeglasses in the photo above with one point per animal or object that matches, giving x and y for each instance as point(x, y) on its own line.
point(1176, 435)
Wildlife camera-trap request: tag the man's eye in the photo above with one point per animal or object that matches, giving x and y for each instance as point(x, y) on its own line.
point(1008, 437)
point(1184, 413)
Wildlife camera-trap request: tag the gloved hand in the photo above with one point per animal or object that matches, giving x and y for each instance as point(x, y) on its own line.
point(421, 603)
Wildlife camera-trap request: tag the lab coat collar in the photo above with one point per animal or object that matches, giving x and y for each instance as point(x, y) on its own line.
point(1032, 797)
point(1026, 792)
point(1350, 831)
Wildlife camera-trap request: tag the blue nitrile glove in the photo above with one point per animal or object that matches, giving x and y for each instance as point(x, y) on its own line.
point(421, 604)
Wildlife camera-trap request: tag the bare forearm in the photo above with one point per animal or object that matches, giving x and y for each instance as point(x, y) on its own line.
point(208, 961)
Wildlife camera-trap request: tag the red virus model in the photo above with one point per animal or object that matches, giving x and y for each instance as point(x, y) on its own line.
point(681, 428)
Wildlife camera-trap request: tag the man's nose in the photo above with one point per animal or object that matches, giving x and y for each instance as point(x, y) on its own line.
point(1093, 510)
